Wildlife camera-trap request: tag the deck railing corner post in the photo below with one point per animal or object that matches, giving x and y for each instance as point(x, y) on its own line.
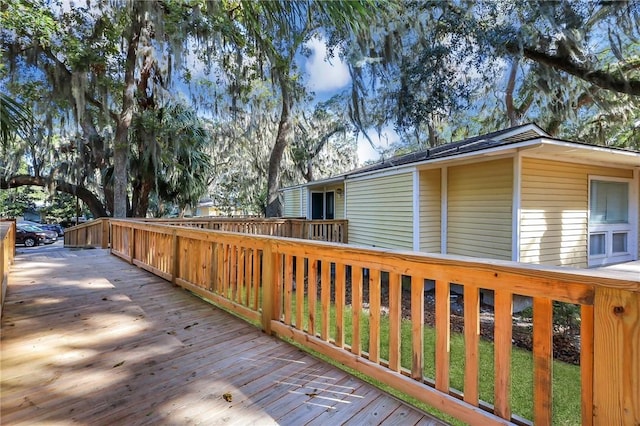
point(616, 357)
point(105, 233)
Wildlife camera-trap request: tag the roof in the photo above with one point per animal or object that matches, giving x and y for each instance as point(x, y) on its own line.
point(476, 143)
point(523, 135)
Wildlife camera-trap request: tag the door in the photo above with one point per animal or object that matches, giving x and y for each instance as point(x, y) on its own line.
point(329, 204)
point(317, 205)
point(323, 205)
point(610, 225)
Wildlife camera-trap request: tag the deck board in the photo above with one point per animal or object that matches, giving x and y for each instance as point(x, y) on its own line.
point(89, 339)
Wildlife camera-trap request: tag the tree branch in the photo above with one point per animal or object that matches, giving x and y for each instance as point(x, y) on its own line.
point(599, 78)
point(88, 197)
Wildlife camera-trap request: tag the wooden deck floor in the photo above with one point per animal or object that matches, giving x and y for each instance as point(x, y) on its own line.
point(88, 339)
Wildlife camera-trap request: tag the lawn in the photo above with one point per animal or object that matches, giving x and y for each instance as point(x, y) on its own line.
point(566, 377)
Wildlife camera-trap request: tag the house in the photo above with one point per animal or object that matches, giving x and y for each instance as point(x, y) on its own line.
point(516, 194)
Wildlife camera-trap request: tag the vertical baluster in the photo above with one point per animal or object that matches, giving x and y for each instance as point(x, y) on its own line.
point(312, 294)
point(502, 353)
point(395, 318)
point(299, 292)
point(288, 287)
point(417, 328)
point(542, 359)
point(356, 307)
point(374, 320)
point(471, 344)
point(339, 303)
point(443, 335)
point(325, 299)
point(586, 363)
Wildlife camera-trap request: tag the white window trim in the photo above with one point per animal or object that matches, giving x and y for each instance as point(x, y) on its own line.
point(631, 228)
point(416, 210)
point(516, 203)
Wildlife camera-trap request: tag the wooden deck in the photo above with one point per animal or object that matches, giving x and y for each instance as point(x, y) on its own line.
point(89, 339)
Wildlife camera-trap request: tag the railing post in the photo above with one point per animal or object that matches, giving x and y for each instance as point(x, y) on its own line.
point(175, 257)
point(132, 243)
point(268, 290)
point(345, 232)
point(616, 360)
point(105, 233)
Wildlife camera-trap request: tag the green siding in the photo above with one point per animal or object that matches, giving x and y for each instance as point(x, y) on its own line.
point(480, 209)
point(554, 211)
point(380, 211)
point(430, 210)
point(291, 202)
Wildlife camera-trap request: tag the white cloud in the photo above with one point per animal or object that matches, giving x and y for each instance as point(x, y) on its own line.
point(380, 141)
point(326, 74)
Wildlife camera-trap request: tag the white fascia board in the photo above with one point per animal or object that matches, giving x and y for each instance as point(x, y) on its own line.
point(389, 171)
point(502, 150)
point(534, 127)
point(324, 182)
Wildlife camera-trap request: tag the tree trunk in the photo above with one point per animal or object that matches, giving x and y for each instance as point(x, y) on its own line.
point(121, 149)
point(274, 207)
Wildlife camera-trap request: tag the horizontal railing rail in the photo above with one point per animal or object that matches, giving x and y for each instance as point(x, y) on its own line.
point(7, 252)
point(323, 230)
point(94, 233)
point(347, 303)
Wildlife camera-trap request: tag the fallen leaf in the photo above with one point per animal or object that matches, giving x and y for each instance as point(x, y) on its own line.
point(227, 397)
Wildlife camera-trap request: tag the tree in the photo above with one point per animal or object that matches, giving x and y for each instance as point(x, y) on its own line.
point(170, 158)
point(277, 30)
point(15, 120)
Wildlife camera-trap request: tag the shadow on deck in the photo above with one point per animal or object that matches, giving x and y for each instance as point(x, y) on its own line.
point(88, 338)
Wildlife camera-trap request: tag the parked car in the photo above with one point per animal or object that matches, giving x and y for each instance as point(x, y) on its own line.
point(52, 227)
point(50, 236)
point(28, 237)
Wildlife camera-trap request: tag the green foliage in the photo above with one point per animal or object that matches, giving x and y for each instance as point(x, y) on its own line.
point(171, 150)
point(14, 202)
point(15, 121)
point(62, 206)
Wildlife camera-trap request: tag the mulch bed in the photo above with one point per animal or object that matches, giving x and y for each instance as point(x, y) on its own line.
point(565, 345)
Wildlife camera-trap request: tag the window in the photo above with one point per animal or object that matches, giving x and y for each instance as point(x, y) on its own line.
point(611, 224)
point(597, 245)
point(609, 202)
point(619, 242)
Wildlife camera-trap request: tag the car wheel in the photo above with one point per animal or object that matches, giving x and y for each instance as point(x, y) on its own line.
point(29, 242)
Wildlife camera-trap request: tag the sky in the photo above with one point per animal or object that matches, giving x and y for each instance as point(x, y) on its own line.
point(328, 75)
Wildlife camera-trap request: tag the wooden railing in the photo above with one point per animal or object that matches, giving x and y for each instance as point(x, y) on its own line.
point(7, 253)
point(94, 233)
point(328, 298)
point(323, 230)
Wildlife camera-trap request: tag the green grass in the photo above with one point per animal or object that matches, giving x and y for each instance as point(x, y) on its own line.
point(566, 377)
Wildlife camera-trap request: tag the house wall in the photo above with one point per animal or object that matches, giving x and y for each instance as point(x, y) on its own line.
point(430, 210)
point(292, 203)
point(380, 211)
point(480, 209)
point(338, 199)
point(554, 210)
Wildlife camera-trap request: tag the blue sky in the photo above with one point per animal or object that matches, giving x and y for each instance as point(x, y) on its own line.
point(328, 76)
